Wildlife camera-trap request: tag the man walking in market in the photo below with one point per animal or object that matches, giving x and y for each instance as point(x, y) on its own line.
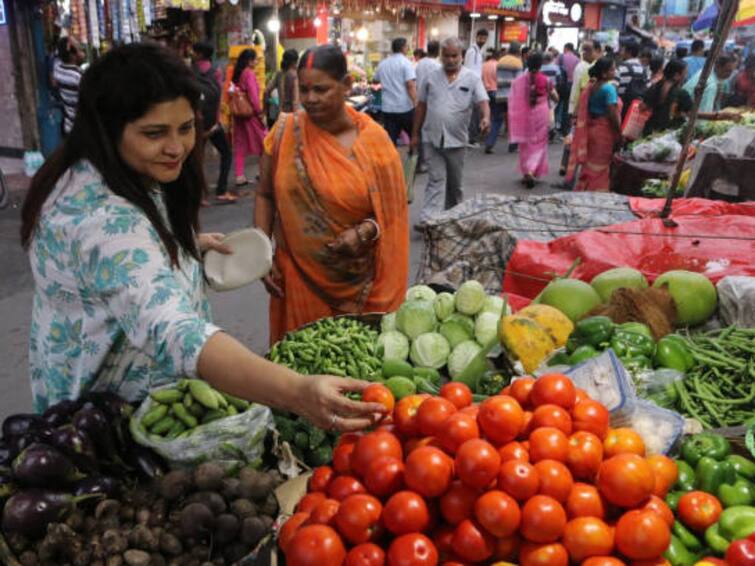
point(398, 79)
point(510, 66)
point(473, 60)
point(444, 108)
point(632, 75)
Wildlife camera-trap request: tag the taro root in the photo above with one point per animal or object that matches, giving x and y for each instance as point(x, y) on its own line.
point(28, 558)
point(201, 552)
point(235, 552)
point(255, 484)
point(75, 520)
point(197, 521)
point(174, 484)
point(213, 501)
point(170, 545)
point(243, 508)
point(208, 477)
point(113, 542)
point(142, 538)
point(157, 517)
point(270, 506)
point(226, 528)
point(136, 557)
point(107, 508)
point(157, 559)
point(116, 560)
point(142, 516)
point(230, 488)
point(252, 531)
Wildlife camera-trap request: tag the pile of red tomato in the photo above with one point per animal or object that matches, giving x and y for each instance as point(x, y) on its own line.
point(534, 475)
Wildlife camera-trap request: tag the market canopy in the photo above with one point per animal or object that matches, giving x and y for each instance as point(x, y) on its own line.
point(745, 16)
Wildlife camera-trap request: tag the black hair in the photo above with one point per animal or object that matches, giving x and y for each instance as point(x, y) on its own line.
point(569, 46)
point(481, 31)
point(534, 61)
point(245, 57)
point(398, 44)
point(632, 48)
point(326, 58)
point(419, 53)
point(646, 54)
point(515, 48)
point(117, 89)
point(433, 48)
point(289, 59)
point(673, 67)
point(724, 60)
point(656, 64)
point(203, 49)
point(601, 67)
point(596, 45)
point(680, 52)
point(65, 49)
point(697, 45)
point(525, 50)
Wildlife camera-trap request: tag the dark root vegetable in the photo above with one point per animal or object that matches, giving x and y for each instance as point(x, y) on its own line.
point(137, 558)
point(213, 501)
point(114, 542)
point(235, 552)
point(255, 484)
point(243, 508)
point(41, 465)
point(174, 484)
point(226, 528)
point(142, 538)
point(230, 489)
point(197, 521)
point(252, 531)
point(209, 477)
point(170, 545)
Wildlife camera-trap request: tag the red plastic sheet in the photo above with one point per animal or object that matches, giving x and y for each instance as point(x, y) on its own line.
point(651, 207)
point(714, 247)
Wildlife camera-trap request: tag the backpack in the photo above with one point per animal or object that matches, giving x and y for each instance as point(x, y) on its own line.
point(210, 89)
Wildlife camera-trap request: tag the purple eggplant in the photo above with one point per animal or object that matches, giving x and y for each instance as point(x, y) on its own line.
point(75, 444)
point(20, 425)
point(41, 465)
point(61, 413)
point(146, 462)
point(6, 454)
point(28, 512)
point(7, 485)
point(94, 423)
point(107, 486)
point(111, 404)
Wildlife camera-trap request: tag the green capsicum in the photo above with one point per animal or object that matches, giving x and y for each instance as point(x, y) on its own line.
point(672, 500)
point(744, 467)
point(741, 492)
point(682, 342)
point(637, 327)
point(629, 344)
point(559, 359)
point(737, 522)
point(704, 444)
point(670, 354)
point(582, 354)
point(634, 363)
point(687, 537)
point(594, 330)
point(685, 480)
point(715, 540)
point(678, 554)
point(710, 474)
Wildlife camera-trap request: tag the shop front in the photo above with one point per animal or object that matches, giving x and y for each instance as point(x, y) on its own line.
point(506, 20)
point(562, 21)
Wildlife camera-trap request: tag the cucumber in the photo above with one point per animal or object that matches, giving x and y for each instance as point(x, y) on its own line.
point(393, 368)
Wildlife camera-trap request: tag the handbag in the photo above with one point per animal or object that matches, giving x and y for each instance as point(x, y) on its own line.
point(634, 121)
point(239, 104)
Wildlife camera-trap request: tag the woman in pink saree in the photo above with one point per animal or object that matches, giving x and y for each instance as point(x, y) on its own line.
point(529, 119)
point(248, 133)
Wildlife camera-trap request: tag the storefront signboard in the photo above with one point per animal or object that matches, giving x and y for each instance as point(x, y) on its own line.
point(563, 13)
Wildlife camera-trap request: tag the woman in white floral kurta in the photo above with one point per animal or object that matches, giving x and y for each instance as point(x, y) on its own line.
point(110, 223)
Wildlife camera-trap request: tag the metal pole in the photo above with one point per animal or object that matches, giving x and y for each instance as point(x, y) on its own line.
point(276, 36)
point(726, 12)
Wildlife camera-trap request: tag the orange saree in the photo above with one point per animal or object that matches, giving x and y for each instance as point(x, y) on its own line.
point(320, 189)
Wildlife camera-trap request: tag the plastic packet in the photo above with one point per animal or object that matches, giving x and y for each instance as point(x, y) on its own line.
point(605, 380)
point(659, 428)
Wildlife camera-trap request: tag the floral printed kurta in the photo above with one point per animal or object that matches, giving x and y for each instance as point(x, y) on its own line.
point(110, 312)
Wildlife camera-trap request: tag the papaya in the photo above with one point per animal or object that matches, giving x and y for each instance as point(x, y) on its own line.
point(525, 339)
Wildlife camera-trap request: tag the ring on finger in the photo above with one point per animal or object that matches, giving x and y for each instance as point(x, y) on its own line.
point(333, 419)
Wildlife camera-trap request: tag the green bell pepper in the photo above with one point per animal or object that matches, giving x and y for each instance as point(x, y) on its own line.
point(737, 522)
point(594, 330)
point(672, 500)
point(682, 342)
point(685, 480)
point(670, 354)
point(741, 492)
point(716, 541)
point(678, 554)
point(629, 344)
point(744, 467)
point(637, 327)
point(704, 444)
point(559, 359)
point(634, 363)
point(687, 537)
point(582, 354)
point(711, 474)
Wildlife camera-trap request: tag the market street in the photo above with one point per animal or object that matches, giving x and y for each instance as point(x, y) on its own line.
point(243, 312)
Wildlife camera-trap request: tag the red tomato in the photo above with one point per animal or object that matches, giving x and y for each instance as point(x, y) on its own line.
point(412, 550)
point(553, 388)
point(456, 430)
point(358, 518)
point(698, 510)
point(324, 513)
point(385, 476)
point(472, 543)
point(623, 441)
point(472, 410)
point(458, 393)
point(343, 486)
point(526, 426)
point(320, 478)
point(543, 555)
point(585, 501)
point(428, 471)
point(665, 472)
point(582, 395)
point(310, 501)
point(432, 413)
point(519, 479)
point(289, 529)
point(741, 553)
point(413, 443)
point(315, 545)
point(500, 419)
point(405, 415)
point(342, 457)
point(458, 503)
point(626, 480)
point(498, 513)
point(379, 393)
point(443, 539)
point(587, 536)
point(603, 561)
point(555, 480)
point(507, 548)
point(658, 505)
point(372, 446)
point(521, 389)
point(658, 561)
point(513, 451)
point(585, 455)
point(477, 463)
point(641, 535)
point(406, 512)
point(367, 554)
point(548, 443)
point(552, 415)
point(543, 519)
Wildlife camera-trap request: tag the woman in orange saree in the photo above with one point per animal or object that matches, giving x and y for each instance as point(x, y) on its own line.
point(597, 130)
point(332, 197)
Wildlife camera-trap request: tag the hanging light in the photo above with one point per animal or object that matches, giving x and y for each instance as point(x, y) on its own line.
point(318, 22)
point(474, 15)
point(363, 34)
point(508, 19)
point(274, 25)
point(493, 17)
point(434, 32)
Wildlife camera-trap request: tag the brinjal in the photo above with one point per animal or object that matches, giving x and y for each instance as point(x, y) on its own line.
point(61, 413)
point(110, 403)
point(7, 487)
point(93, 421)
point(28, 512)
point(146, 462)
point(75, 444)
point(6, 454)
point(20, 425)
point(104, 485)
point(41, 465)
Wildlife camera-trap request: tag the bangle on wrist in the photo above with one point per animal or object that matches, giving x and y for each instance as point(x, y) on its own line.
point(362, 239)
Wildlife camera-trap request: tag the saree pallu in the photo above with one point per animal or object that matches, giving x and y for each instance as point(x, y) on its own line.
point(529, 125)
point(321, 189)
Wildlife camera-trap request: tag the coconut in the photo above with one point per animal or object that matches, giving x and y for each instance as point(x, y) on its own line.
point(572, 297)
point(617, 278)
point(694, 295)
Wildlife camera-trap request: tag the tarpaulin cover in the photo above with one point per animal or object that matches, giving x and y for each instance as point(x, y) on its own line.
point(714, 247)
point(650, 207)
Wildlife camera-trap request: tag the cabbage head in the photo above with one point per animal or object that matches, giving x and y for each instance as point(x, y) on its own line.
point(470, 297)
point(430, 350)
point(444, 305)
point(416, 317)
point(486, 328)
point(420, 293)
point(494, 304)
point(394, 345)
point(457, 328)
point(388, 322)
point(460, 357)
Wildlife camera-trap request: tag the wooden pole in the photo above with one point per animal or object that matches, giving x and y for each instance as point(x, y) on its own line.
point(727, 9)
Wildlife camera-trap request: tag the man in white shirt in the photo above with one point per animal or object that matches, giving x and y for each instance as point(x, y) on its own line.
point(473, 60)
point(428, 64)
point(399, 81)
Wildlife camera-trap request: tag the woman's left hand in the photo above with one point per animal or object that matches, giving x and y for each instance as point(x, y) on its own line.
point(347, 243)
point(213, 241)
